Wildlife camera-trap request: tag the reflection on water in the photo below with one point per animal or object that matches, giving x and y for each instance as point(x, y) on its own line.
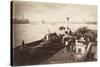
point(30, 33)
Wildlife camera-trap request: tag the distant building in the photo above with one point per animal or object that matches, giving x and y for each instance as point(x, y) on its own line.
point(20, 21)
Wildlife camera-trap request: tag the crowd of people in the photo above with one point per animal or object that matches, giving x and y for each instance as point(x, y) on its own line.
point(68, 38)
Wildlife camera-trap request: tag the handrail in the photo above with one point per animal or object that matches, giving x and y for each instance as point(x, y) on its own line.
point(87, 50)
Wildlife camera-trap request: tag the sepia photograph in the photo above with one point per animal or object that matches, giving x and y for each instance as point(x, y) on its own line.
point(52, 33)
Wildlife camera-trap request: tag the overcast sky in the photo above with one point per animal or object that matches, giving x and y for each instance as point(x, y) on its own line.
point(37, 11)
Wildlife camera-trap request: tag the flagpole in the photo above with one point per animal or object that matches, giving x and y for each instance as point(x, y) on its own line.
point(67, 21)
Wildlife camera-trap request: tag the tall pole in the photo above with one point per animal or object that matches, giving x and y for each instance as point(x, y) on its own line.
point(67, 20)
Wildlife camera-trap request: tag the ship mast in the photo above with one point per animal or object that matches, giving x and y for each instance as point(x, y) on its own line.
point(67, 21)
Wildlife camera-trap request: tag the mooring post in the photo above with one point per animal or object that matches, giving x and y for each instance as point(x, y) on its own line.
point(23, 43)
